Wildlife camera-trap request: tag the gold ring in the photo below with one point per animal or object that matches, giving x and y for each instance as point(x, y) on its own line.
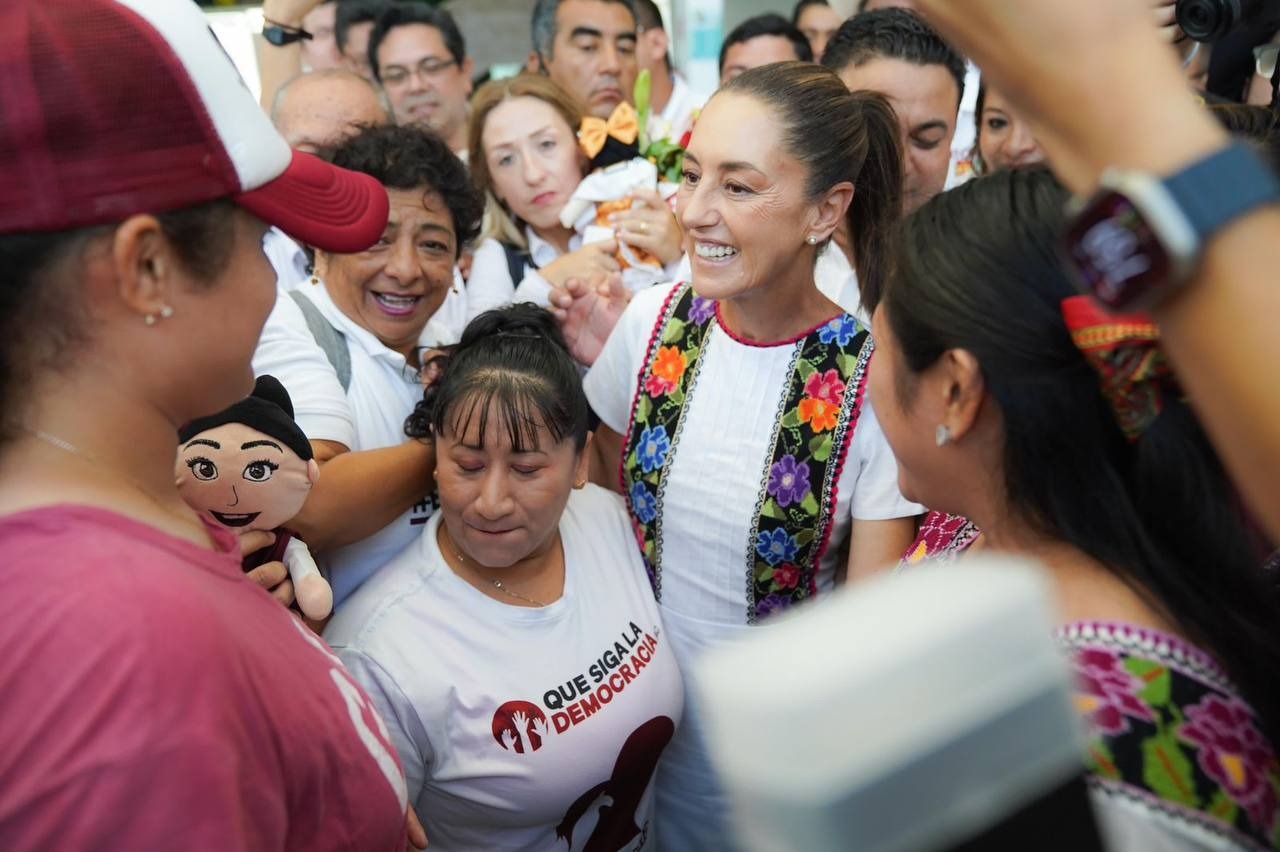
point(644, 227)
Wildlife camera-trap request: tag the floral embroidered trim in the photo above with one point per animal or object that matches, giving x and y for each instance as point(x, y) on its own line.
point(942, 538)
point(816, 419)
point(1168, 731)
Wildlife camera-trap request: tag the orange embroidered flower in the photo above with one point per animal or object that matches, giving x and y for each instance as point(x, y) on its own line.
point(670, 365)
point(822, 416)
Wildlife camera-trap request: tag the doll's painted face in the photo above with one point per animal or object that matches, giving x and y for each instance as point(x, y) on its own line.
point(242, 478)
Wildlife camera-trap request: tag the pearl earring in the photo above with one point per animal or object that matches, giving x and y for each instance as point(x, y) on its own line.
point(165, 312)
point(811, 240)
point(149, 319)
point(942, 436)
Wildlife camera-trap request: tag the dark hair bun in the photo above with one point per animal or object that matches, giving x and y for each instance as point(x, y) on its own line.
point(513, 338)
point(524, 320)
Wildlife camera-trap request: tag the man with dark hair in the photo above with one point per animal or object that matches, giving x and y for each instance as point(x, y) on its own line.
point(818, 22)
point(673, 103)
point(352, 27)
point(894, 52)
point(588, 47)
point(418, 55)
point(762, 40)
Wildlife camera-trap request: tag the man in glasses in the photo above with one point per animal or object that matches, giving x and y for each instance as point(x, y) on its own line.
point(418, 55)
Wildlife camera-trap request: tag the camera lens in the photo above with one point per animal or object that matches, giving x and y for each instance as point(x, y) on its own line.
point(1207, 20)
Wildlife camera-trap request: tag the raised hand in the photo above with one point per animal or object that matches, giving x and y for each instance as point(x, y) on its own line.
point(591, 260)
point(651, 226)
point(588, 311)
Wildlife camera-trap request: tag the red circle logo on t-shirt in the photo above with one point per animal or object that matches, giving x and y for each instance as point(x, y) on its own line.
point(520, 726)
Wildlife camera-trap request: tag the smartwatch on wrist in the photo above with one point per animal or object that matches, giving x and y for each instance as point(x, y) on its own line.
point(1140, 237)
point(281, 34)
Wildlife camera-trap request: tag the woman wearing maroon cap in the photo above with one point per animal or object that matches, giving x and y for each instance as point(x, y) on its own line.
point(155, 697)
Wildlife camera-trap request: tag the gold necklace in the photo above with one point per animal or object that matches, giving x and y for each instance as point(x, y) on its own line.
point(497, 584)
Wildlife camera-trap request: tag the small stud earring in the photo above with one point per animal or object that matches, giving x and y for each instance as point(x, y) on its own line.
point(942, 436)
point(149, 319)
point(811, 240)
point(313, 280)
point(165, 312)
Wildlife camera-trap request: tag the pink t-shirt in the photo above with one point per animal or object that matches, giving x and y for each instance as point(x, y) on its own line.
point(152, 697)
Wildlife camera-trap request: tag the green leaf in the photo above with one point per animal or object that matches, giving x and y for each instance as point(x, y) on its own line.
point(764, 576)
point(791, 419)
point(643, 407)
point(1155, 676)
point(810, 504)
point(676, 396)
point(674, 331)
point(644, 84)
point(804, 537)
point(805, 369)
point(1101, 761)
point(772, 510)
point(1223, 807)
point(820, 447)
point(847, 363)
point(1167, 771)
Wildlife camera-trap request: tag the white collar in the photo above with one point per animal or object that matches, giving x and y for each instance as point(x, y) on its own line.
point(433, 333)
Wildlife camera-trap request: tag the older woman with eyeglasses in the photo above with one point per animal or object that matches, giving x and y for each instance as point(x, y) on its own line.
point(354, 370)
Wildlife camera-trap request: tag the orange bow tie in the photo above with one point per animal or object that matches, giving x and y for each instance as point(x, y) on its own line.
point(623, 125)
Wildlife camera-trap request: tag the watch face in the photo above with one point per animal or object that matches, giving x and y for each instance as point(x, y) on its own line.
point(1117, 255)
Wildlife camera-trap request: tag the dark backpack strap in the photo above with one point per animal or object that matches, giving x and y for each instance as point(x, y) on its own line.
point(517, 260)
point(331, 341)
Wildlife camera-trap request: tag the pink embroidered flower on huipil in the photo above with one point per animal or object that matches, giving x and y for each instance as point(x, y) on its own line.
point(1106, 693)
point(826, 387)
point(1233, 752)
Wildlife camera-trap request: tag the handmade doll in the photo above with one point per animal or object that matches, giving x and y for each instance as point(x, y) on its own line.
point(623, 159)
point(250, 468)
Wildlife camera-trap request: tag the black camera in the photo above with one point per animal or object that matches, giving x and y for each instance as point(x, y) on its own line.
point(1210, 20)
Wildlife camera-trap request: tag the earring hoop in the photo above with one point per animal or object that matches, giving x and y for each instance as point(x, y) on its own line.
point(942, 435)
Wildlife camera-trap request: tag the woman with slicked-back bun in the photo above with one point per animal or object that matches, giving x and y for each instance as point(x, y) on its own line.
point(733, 406)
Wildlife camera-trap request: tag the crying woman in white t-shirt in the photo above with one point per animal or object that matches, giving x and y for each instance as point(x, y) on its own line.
point(515, 649)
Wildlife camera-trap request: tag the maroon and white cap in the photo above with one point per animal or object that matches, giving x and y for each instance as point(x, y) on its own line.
point(110, 108)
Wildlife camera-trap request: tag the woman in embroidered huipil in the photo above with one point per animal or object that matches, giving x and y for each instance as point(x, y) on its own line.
point(734, 408)
point(1060, 431)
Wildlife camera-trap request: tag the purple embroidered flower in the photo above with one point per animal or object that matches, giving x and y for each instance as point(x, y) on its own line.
point(701, 310)
point(776, 546)
point(644, 504)
point(1233, 752)
point(842, 329)
point(770, 604)
point(789, 480)
point(653, 448)
point(1106, 693)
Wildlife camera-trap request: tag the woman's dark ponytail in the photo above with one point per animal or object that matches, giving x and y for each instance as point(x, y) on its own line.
point(876, 210)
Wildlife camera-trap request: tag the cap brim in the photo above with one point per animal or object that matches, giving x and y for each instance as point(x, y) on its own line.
point(317, 203)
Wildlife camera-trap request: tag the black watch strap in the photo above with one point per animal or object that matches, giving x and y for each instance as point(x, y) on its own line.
point(281, 34)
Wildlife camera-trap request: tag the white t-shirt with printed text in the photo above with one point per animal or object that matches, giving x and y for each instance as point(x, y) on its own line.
point(521, 727)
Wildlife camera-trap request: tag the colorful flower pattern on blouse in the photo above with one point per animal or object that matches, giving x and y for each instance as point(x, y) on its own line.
point(812, 434)
point(941, 538)
point(1167, 730)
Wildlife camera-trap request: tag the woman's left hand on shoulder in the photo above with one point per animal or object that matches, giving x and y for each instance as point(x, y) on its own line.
point(651, 226)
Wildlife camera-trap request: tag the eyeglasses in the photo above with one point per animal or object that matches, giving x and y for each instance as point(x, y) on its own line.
point(425, 70)
point(1265, 58)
